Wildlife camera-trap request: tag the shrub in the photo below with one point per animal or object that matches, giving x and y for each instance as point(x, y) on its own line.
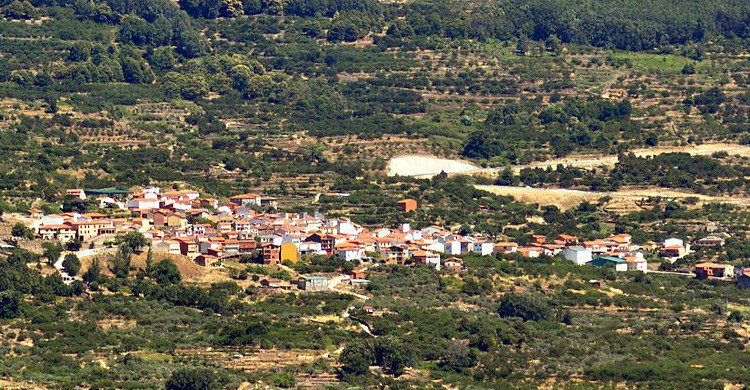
point(526, 307)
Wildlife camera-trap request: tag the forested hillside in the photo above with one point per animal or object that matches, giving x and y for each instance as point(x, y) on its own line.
point(220, 85)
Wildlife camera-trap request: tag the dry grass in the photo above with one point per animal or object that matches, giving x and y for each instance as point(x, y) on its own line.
point(562, 198)
point(623, 200)
point(190, 271)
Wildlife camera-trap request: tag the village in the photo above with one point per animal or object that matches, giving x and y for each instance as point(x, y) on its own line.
point(248, 227)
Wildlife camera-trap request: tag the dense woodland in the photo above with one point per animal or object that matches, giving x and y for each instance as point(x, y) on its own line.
point(299, 99)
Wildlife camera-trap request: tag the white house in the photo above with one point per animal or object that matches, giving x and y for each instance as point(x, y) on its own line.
point(452, 248)
point(347, 227)
point(349, 252)
point(483, 248)
point(637, 263)
point(427, 258)
point(146, 201)
point(51, 219)
point(578, 256)
point(310, 247)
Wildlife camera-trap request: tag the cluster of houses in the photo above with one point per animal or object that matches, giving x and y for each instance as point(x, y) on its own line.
point(208, 231)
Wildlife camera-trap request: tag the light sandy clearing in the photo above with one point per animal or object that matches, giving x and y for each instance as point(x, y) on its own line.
point(427, 166)
point(593, 161)
point(624, 199)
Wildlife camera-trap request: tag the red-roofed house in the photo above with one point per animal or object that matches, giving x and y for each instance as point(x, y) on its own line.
point(709, 270)
point(246, 200)
point(406, 205)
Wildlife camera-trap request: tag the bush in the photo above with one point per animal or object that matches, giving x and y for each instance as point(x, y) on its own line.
point(526, 307)
point(10, 302)
point(71, 264)
point(165, 272)
point(192, 379)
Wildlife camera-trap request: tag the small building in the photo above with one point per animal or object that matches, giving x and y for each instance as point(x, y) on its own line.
point(483, 248)
point(566, 239)
point(76, 193)
point(396, 254)
point(454, 264)
point(35, 213)
point(62, 232)
point(506, 247)
point(529, 251)
point(188, 247)
point(349, 252)
point(578, 256)
point(406, 205)
point(313, 283)
point(271, 253)
point(744, 279)
point(709, 270)
point(246, 200)
point(167, 246)
point(710, 241)
point(289, 252)
point(276, 284)
point(597, 283)
point(636, 263)
point(426, 258)
point(247, 246)
point(673, 249)
point(208, 260)
point(620, 265)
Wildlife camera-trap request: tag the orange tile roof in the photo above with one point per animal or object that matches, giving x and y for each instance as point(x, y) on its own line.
point(709, 264)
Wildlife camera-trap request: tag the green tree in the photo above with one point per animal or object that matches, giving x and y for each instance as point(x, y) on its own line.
point(356, 359)
point(192, 379)
point(506, 178)
point(20, 230)
point(52, 251)
point(94, 272)
point(162, 58)
point(392, 355)
point(20, 10)
point(120, 262)
point(133, 241)
point(527, 307)
point(553, 44)
point(71, 264)
point(523, 45)
point(165, 272)
point(136, 71)
point(10, 304)
point(186, 86)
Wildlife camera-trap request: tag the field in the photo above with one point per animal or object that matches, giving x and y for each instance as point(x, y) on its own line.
point(623, 200)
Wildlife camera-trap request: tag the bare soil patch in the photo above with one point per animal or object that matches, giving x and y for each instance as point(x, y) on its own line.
point(624, 200)
point(427, 166)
